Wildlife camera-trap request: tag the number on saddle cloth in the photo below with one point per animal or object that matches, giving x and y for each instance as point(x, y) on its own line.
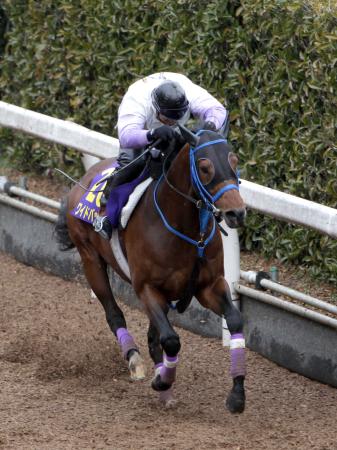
point(89, 205)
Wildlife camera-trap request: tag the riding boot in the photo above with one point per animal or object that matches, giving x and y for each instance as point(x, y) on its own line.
point(121, 175)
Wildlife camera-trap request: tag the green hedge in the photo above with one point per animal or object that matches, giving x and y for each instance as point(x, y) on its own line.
point(272, 63)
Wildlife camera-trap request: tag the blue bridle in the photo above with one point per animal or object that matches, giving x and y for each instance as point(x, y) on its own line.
point(207, 209)
point(202, 192)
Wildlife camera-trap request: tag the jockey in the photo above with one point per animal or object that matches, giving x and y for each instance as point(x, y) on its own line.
point(149, 110)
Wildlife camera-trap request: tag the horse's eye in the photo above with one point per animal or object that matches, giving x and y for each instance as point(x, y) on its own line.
point(206, 171)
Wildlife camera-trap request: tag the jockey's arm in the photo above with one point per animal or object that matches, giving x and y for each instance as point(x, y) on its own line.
point(207, 108)
point(131, 122)
point(131, 132)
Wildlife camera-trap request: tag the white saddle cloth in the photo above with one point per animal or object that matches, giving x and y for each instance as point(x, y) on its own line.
point(133, 201)
point(125, 216)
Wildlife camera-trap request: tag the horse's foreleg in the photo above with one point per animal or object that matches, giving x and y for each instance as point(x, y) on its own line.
point(218, 298)
point(156, 353)
point(161, 335)
point(96, 273)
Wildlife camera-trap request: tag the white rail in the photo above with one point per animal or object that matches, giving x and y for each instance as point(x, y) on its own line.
point(287, 306)
point(265, 200)
point(35, 197)
point(59, 131)
point(290, 208)
point(250, 277)
point(37, 212)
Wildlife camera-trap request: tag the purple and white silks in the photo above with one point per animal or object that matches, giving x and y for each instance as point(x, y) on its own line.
point(237, 352)
point(136, 114)
point(125, 341)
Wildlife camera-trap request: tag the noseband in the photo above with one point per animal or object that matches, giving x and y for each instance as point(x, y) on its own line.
point(205, 202)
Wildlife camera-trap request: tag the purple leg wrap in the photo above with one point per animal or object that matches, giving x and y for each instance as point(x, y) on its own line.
point(237, 352)
point(168, 369)
point(125, 341)
point(164, 396)
point(157, 366)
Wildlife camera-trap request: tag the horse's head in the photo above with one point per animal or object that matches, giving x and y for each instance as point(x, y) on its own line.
point(214, 174)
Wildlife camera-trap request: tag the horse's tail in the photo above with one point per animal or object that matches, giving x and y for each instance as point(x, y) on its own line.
point(61, 232)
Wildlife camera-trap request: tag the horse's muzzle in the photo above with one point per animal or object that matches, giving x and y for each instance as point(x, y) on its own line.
point(235, 217)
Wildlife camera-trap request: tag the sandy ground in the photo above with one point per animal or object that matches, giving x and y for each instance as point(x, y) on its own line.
point(64, 385)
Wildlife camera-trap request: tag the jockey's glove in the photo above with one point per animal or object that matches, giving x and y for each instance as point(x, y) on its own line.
point(164, 133)
point(209, 126)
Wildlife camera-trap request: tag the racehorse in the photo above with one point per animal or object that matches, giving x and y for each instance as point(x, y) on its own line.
point(174, 251)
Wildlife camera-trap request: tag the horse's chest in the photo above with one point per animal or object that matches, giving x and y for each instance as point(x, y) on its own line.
point(176, 283)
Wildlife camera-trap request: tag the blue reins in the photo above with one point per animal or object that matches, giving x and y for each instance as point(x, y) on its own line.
point(203, 225)
point(207, 208)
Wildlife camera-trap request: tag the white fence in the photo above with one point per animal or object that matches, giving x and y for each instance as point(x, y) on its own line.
point(290, 208)
point(268, 201)
point(58, 131)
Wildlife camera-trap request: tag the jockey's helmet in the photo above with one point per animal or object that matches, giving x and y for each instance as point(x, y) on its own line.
point(169, 100)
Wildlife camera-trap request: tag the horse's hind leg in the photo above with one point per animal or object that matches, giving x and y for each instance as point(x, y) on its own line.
point(218, 298)
point(95, 270)
point(155, 349)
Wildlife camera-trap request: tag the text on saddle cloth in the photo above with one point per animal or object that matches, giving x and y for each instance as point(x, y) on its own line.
point(89, 205)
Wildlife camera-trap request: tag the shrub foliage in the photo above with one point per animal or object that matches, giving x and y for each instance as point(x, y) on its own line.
point(272, 63)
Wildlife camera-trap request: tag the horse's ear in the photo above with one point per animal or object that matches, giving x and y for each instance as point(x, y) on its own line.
point(188, 136)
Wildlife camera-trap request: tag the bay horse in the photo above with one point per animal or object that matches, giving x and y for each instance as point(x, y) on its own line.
point(174, 251)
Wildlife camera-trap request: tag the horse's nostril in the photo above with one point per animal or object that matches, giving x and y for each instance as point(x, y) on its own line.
point(231, 214)
point(237, 214)
point(240, 214)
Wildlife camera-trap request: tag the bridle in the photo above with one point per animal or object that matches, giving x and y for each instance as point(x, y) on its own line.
point(204, 202)
point(206, 196)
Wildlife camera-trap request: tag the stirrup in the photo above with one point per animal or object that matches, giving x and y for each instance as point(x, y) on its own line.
point(103, 227)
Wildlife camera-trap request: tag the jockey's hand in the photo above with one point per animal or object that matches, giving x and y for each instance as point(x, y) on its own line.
point(209, 126)
point(164, 133)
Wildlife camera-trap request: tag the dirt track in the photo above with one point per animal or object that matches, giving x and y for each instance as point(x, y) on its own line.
point(64, 385)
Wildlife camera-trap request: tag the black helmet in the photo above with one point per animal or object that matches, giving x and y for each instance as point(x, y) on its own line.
point(169, 99)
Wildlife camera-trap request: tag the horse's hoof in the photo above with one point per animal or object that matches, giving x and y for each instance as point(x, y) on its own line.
point(136, 367)
point(158, 385)
point(236, 402)
point(170, 404)
point(166, 399)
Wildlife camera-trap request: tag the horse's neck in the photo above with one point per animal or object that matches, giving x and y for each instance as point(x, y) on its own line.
point(179, 173)
point(179, 211)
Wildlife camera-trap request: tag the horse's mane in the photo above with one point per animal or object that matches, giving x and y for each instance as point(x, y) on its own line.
point(169, 153)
